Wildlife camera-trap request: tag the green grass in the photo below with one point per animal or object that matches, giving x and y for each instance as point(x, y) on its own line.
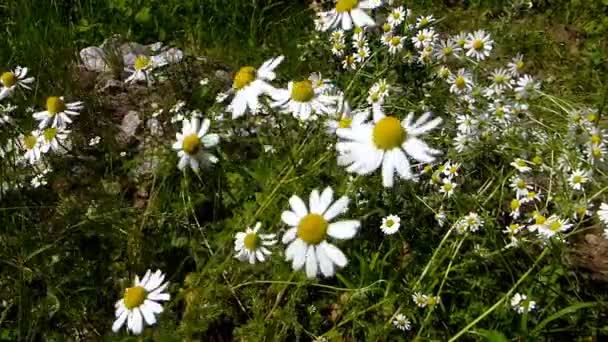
point(69, 249)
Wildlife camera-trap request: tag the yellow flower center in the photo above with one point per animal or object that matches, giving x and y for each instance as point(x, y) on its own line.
point(388, 133)
point(520, 65)
point(577, 179)
point(500, 79)
point(346, 5)
point(531, 194)
point(447, 186)
point(386, 27)
point(596, 139)
point(30, 141)
point(302, 91)
point(142, 62)
point(592, 117)
point(538, 160)
point(390, 223)
point(55, 105)
point(581, 211)
point(514, 204)
point(191, 144)
point(421, 37)
point(448, 50)
point(395, 41)
point(134, 297)
point(478, 44)
point(50, 133)
point(8, 79)
point(540, 219)
point(521, 163)
point(461, 42)
point(521, 184)
point(251, 241)
point(345, 123)
point(460, 82)
point(555, 226)
point(513, 227)
point(428, 169)
point(431, 301)
point(596, 152)
point(312, 229)
point(243, 77)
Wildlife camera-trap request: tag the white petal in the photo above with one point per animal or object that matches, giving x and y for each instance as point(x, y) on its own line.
point(153, 306)
point(290, 218)
point(343, 229)
point(239, 104)
point(361, 18)
point(387, 170)
point(311, 262)
point(314, 202)
point(137, 324)
point(325, 263)
point(210, 140)
point(148, 315)
point(327, 196)
point(120, 321)
point(337, 208)
point(402, 164)
point(334, 253)
point(347, 23)
point(418, 149)
point(299, 254)
point(298, 206)
point(289, 235)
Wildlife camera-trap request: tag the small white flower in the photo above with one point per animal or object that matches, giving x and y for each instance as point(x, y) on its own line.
point(521, 165)
point(520, 186)
point(419, 299)
point(142, 66)
point(303, 99)
point(346, 13)
point(423, 21)
point(424, 38)
point(397, 16)
point(516, 66)
point(461, 82)
point(401, 322)
point(94, 141)
point(471, 222)
point(447, 188)
point(10, 80)
point(578, 178)
point(250, 245)
point(204, 81)
point(140, 302)
point(349, 62)
point(446, 49)
point(32, 145)
point(310, 227)
point(191, 142)
point(55, 139)
point(57, 113)
point(554, 225)
point(390, 224)
point(395, 44)
point(345, 118)
point(479, 45)
point(602, 213)
point(521, 304)
point(501, 81)
point(441, 218)
point(526, 85)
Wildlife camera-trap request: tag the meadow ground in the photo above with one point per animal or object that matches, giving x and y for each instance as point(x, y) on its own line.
point(486, 221)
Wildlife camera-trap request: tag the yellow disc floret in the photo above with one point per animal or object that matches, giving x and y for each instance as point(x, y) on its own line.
point(302, 91)
point(395, 41)
point(460, 82)
point(142, 62)
point(251, 241)
point(345, 123)
point(312, 229)
point(8, 79)
point(388, 133)
point(134, 297)
point(346, 5)
point(478, 44)
point(55, 105)
point(191, 144)
point(243, 77)
point(30, 141)
point(50, 133)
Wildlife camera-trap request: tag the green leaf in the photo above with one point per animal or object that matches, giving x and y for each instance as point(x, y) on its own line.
point(143, 16)
point(565, 311)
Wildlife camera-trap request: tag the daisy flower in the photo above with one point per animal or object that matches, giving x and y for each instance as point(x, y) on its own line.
point(554, 225)
point(513, 229)
point(578, 178)
point(302, 99)
point(387, 142)
point(525, 85)
point(521, 165)
point(460, 39)
point(346, 118)
point(602, 213)
point(31, 144)
point(478, 45)
point(515, 206)
point(250, 245)
point(402, 323)
point(347, 12)
point(390, 224)
point(249, 84)
point(423, 21)
point(451, 169)
point(446, 49)
point(521, 304)
point(362, 54)
point(57, 113)
point(419, 299)
point(310, 227)
point(461, 82)
point(191, 141)
point(349, 62)
point(447, 188)
point(471, 222)
point(53, 138)
point(582, 209)
point(501, 80)
point(10, 80)
point(520, 186)
point(397, 16)
point(142, 66)
point(395, 44)
point(516, 66)
point(424, 38)
point(140, 302)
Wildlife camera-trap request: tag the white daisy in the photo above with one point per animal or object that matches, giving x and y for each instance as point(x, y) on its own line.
point(424, 38)
point(142, 66)
point(395, 44)
point(479, 45)
point(447, 188)
point(446, 49)
point(57, 113)
point(10, 80)
point(521, 165)
point(451, 169)
point(461, 82)
point(350, 62)
point(402, 323)
point(250, 245)
point(345, 118)
point(526, 85)
point(362, 54)
point(55, 139)
point(386, 142)
point(516, 66)
point(578, 178)
point(515, 206)
point(309, 230)
point(348, 12)
point(302, 99)
point(423, 21)
point(521, 303)
point(390, 224)
point(419, 299)
point(501, 80)
point(249, 84)
point(602, 213)
point(139, 303)
point(397, 16)
point(460, 39)
point(31, 144)
point(471, 222)
point(520, 186)
point(554, 225)
point(191, 141)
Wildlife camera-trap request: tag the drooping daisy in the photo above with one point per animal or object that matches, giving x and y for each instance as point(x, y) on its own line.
point(54, 138)
point(140, 302)
point(397, 16)
point(516, 66)
point(578, 178)
point(401, 322)
point(250, 245)
point(249, 84)
point(310, 227)
point(302, 99)
point(141, 70)
point(390, 224)
point(423, 21)
point(521, 165)
point(57, 113)
point(31, 145)
point(191, 142)
point(521, 304)
point(461, 82)
point(348, 12)
point(602, 213)
point(10, 80)
point(478, 45)
point(345, 118)
point(387, 142)
point(419, 299)
point(554, 225)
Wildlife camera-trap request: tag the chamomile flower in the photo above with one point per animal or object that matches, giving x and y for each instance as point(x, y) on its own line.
point(469, 223)
point(446, 49)
point(57, 113)
point(602, 213)
point(395, 44)
point(526, 85)
point(516, 66)
point(11, 80)
point(424, 38)
point(252, 246)
point(521, 165)
point(346, 118)
point(513, 229)
point(460, 39)
point(55, 139)
point(441, 218)
point(501, 80)
point(578, 178)
point(348, 12)
point(390, 224)
point(521, 304)
point(31, 144)
point(451, 169)
point(362, 54)
point(582, 209)
point(141, 70)
point(447, 188)
point(554, 225)
point(461, 82)
point(401, 322)
point(310, 228)
point(387, 142)
point(423, 21)
point(140, 302)
point(478, 45)
point(419, 299)
point(303, 99)
point(397, 16)
point(249, 84)
point(596, 153)
point(520, 186)
point(350, 62)
point(515, 206)
point(191, 142)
